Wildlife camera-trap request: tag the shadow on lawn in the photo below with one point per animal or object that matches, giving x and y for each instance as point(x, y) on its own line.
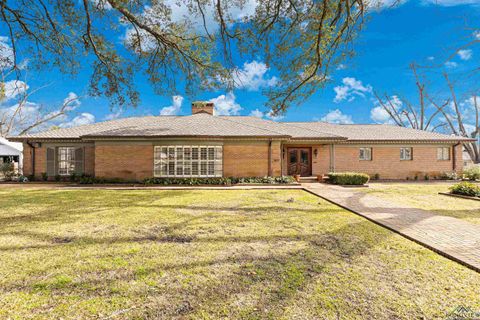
point(272, 279)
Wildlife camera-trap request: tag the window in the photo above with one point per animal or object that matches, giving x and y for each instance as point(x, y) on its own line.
point(188, 161)
point(443, 153)
point(66, 161)
point(365, 154)
point(405, 153)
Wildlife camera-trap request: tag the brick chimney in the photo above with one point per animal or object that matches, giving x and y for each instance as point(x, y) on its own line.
point(202, 106)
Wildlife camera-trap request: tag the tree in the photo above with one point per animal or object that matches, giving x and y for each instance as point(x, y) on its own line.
point(23, 116)
point(445, 114)
point(302, 40)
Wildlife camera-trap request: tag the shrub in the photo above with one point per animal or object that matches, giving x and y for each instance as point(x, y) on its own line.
point(472, 173)
point(44, 176)
point(8, 170)
point(376, 176)
point(426, 177)
point(73, 177)
point(58, 177)
point(219, 180)
point(449, 176)
point(466, 189)
point(348, 178)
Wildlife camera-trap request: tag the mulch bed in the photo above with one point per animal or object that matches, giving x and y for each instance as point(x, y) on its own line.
point(459, 196)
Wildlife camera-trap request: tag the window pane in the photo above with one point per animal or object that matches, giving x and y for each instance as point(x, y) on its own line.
point(179, 168)
point(211, 168)
point(194, 168)
point(203, 153)
point(187, 168)
point(211, 153)
point(187, 155)
point(171, 168)
point(171, 153)
point(293, 156)
point(195, 153)
point(203, 168)
point(179, 153)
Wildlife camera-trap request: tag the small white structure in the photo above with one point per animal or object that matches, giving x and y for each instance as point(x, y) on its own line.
point(11, 152)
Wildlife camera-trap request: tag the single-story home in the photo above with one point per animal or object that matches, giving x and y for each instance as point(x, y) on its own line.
point(11, 152)
point(205, 145)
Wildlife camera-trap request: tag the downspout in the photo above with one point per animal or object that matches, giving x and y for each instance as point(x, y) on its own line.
point(332, 158)
point(33, 157)
point(454, 157)
point(270, 158)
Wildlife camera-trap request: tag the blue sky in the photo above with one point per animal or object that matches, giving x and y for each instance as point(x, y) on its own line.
point(416, 31)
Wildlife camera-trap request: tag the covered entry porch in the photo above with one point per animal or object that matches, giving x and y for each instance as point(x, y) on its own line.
point(307, 160)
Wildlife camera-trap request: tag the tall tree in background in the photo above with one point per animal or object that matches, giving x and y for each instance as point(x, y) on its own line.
point(445, 114)
point(193, 41)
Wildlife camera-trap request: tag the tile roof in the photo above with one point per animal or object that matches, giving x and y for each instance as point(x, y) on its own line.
point(205, 125)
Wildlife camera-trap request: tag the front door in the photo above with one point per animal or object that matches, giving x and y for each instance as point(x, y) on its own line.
point(299, 161)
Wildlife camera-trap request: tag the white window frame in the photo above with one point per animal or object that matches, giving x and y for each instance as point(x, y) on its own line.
point(365, 154)
point(66, 160)
point(403, 154)
point(443, 153)
point(188, 161)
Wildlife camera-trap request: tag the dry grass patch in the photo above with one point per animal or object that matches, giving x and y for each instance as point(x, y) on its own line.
point(265, 254)
point(425, 196)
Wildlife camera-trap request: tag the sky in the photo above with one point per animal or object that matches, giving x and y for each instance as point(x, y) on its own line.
point(426, 32)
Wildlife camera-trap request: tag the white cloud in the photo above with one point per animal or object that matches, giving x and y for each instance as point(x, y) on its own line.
point(114, 115)
point(12, 89)
point(379, 115)
point(336, 116)
point(256, 113)
point(253, 76)
point(273, 117)
point(465, 54)
point(383, 4)
point(82, 119)
point(341, 66)
point(451, 64)
point(6, 54)
point(476, 34)
point(174, 109)
point(431, 58)
point(350, 89)
point(102, 4)
point(72, 101)
point(225, 105)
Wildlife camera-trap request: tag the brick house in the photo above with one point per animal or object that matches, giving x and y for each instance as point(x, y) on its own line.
point(204, 145)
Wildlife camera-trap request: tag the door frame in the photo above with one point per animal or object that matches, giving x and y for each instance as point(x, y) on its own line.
point(298, 156)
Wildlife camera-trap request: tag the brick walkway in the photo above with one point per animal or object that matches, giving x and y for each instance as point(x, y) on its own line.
point(454, 238)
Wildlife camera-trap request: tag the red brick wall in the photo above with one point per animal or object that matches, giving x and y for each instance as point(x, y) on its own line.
point(129, 162)
point(89, 160)
point(40, 160)
point(386, 161)
point(243, 159)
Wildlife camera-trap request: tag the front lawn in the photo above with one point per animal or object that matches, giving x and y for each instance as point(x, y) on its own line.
point(269, 254)
point(424, 195)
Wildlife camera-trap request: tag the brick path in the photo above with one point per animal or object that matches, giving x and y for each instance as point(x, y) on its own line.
point(454, 238)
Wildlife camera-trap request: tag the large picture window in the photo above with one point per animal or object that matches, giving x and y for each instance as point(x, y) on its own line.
point(66, 161)
point(188, 161)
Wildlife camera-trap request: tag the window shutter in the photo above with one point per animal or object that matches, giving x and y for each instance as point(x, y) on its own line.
point(79, 163)
point(50, 162)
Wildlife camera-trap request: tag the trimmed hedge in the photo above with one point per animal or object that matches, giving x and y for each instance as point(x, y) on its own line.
point(219, 181)
point(348, 178)
point(466, 189)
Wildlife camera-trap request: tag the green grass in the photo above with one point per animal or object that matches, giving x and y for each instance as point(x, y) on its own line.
point(269, 254)
point(425, 196)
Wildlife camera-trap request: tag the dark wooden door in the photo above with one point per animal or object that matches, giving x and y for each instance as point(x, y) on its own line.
point(299, 161)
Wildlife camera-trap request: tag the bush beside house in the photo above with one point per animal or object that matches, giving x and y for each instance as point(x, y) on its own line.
point(348, 178)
